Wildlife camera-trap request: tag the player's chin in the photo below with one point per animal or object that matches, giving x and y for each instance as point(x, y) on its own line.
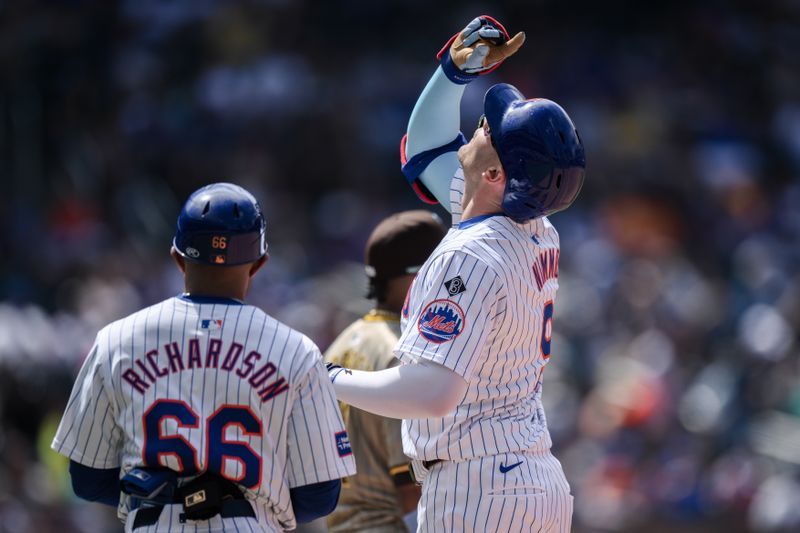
point(462, 153)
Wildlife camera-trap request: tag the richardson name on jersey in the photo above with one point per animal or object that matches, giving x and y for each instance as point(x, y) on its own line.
point(156, 364)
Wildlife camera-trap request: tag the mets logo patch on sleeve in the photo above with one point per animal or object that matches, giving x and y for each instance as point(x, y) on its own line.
point(441, 321)
point(343, 444)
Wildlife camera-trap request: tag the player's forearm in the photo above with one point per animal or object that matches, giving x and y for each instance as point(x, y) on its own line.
point(435, 120)
point(435, 123)
point(95, 484)
point(408, 391)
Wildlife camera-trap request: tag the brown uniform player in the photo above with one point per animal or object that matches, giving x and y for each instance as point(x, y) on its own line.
point(382, 492)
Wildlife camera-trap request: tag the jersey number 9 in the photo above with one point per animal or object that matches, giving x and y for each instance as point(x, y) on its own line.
point(547, 328)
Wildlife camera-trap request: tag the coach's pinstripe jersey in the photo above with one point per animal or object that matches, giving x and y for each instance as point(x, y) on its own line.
point(482, 305)
point(197, 384)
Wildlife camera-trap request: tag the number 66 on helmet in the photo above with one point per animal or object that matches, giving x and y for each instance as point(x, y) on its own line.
point(221, 224)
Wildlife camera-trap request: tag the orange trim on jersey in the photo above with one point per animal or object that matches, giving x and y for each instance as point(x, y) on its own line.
point(178, 436)
point(239, 460)
point(545, 337)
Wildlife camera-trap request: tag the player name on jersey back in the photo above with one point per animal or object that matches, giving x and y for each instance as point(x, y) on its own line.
point(160, 361)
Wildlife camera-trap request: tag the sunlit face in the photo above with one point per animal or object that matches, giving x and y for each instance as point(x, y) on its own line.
point(476, 156)
point(481, 139)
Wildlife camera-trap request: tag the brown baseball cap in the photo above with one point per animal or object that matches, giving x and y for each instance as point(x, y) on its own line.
point(401, 243)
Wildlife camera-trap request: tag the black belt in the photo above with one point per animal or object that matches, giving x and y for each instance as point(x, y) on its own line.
point(230, 509)
point(426, 465)
point(429, 464)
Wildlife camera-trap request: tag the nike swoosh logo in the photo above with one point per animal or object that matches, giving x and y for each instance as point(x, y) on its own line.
point(504, 468)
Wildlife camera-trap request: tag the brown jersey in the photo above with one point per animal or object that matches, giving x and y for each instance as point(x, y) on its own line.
point(368, 500)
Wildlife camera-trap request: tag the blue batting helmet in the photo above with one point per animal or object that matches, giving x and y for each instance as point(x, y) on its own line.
point(539, 148)
point(221, 224)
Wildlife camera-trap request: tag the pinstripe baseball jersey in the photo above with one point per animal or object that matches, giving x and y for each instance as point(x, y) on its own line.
point(482, 305)
point(368, 501)
point(208, 384)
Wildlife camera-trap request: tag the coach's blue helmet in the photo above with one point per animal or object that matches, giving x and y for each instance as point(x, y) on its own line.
point(540, 150)
point(221, 224)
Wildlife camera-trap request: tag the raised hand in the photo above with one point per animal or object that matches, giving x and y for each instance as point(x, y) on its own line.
point(482, 45)
point(478, 49)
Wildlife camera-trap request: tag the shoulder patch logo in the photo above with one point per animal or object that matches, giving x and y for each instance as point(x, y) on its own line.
point(441, 321)
point(455, 286)
point(343, 444)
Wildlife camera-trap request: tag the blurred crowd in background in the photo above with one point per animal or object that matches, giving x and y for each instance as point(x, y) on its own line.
point(673, 394)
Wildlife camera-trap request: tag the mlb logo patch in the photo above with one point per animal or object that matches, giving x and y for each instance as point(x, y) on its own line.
point(211, 324)
point(441, 321)
point(343, 444)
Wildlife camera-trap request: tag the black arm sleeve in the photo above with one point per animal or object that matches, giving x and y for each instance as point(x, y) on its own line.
point(316, 500)
point(95, 484)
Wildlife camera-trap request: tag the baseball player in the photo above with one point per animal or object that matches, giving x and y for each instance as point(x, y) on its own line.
point(202, 413)
point(478, 320)
point(376, 499)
